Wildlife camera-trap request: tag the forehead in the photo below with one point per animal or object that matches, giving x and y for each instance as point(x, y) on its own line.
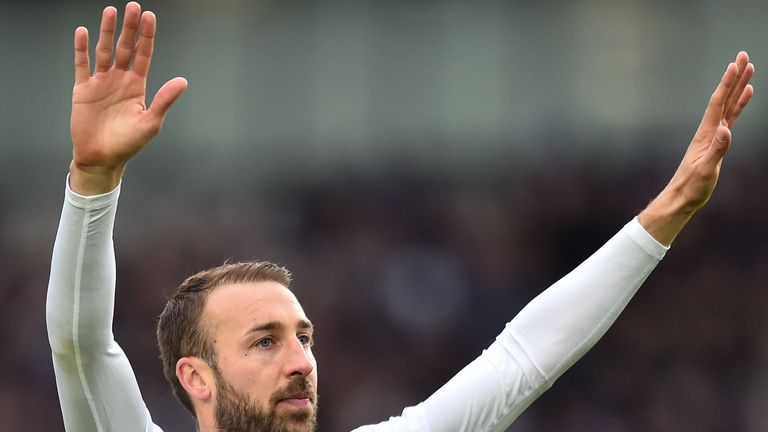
point(238, 306)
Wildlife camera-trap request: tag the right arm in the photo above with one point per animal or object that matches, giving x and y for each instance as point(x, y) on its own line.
point(96, 385)
point(109, 124)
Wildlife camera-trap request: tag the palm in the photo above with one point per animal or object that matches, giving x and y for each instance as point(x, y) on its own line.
point(107, 118)
point(110, 121)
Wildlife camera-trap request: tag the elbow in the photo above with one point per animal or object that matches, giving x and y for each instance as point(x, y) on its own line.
point(67, 343)
point(60, 337)
point(59, 330)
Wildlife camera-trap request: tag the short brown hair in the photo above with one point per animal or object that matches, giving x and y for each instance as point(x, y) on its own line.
point(179, 333)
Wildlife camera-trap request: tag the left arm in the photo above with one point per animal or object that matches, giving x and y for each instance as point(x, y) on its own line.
point(545, 339)
point(555, 329)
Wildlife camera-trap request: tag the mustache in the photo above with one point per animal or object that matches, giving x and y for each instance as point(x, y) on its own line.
point(299, 386)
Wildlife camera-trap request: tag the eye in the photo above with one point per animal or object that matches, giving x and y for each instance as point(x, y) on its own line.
point(306, 340)
point(264, 343)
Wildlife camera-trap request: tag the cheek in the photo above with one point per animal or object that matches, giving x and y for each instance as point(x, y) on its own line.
point(255, 382)
point(246, 373)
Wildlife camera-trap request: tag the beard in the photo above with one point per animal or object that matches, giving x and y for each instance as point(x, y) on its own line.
point(236, 412)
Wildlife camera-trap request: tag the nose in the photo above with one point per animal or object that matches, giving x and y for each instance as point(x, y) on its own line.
point(300, 360)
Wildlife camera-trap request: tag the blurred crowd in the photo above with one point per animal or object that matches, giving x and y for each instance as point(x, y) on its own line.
point(409, 276)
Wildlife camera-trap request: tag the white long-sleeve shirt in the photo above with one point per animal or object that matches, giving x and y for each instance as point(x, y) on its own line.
point(98, 390)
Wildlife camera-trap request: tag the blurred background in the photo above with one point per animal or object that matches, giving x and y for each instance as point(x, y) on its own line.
point(424, 168)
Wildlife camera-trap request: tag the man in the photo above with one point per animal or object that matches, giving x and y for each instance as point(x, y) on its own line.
point(235, 342)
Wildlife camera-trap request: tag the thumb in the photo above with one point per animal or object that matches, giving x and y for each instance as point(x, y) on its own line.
point(722, 141)
point(720, 144)
point(167, 95)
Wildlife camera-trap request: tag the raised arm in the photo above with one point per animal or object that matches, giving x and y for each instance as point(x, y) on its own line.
point(97, 389)
point(561, 324)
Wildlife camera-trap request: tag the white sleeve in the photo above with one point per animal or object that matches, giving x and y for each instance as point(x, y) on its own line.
point(97, 388)
point(548, 336)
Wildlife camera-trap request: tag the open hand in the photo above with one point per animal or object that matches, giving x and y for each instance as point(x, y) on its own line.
point(699, 170)
point(110, 121)
point(696, 177)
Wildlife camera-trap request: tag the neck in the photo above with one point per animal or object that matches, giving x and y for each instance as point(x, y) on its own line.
point(205, 421)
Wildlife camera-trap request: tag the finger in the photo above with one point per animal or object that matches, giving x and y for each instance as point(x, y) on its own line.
point(127, 39)
point(106, 39)
point(145, 45)
point(716, 107)
point(165, 97)
point(738, 93)
point(746, 96)
point(742, 61)
point(82, 64)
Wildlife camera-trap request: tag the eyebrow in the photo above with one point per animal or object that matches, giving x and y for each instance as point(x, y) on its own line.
point(303, 324)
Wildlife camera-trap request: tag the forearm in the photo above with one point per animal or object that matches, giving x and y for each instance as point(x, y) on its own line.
point(566, 320)
point(89, 364)
point(551, 333)
point(81, 287)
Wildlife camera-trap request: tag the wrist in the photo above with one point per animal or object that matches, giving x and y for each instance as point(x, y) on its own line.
point(666, 215)
point(94, 180)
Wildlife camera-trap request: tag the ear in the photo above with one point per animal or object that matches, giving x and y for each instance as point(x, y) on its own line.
point(196, 376)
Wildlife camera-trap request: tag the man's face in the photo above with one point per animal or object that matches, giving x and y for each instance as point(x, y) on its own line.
point(266, 375)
